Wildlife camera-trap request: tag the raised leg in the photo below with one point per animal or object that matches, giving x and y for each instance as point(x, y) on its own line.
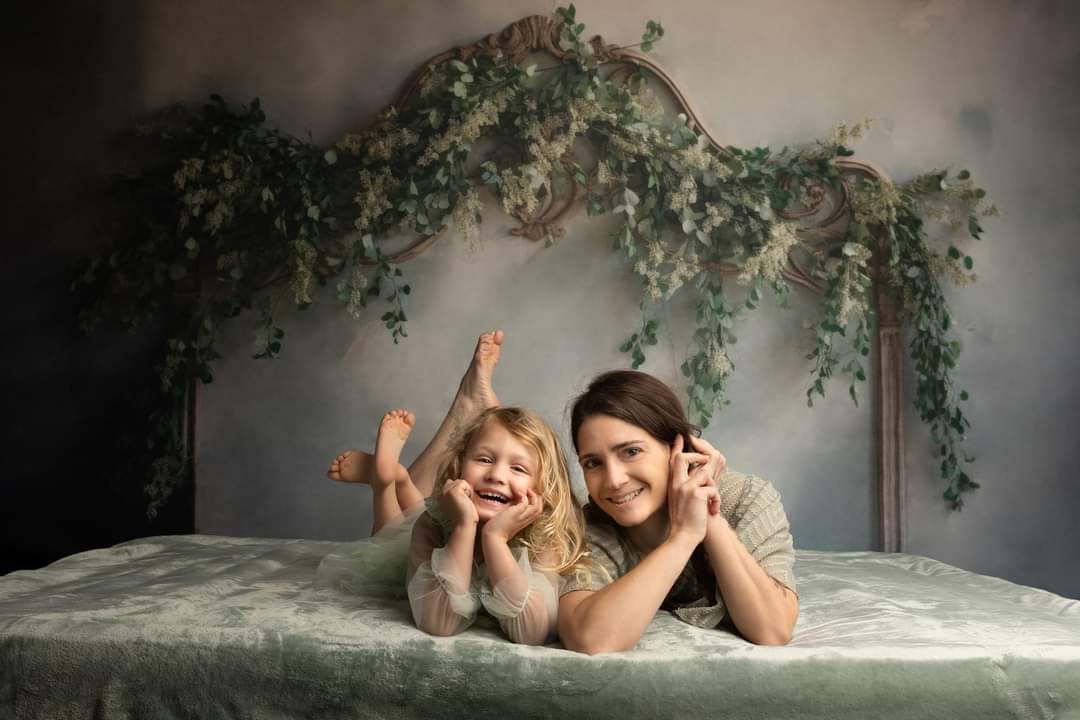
point(390, 474)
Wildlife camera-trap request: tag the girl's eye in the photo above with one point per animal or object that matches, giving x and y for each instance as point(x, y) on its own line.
point(485, 460)
point(520, 469)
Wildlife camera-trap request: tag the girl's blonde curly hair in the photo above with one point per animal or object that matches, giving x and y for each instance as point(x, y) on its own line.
point(556, 539)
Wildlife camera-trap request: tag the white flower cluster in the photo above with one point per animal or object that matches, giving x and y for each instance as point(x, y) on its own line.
point(636, 145)
point(718, 362)
point(305, 255)
point(470, 128)
point(465, 218)
point(847, 135)
point(221, 175)
point(520, 190)
point(698, 157)
point(665, 272)
point(374, 197)
point(685, 196)
point(851, 290)
point(603, 173)
point(875, 203)
point(357, 285)
point(384, 146)
point(716, 214)
point(772, 257)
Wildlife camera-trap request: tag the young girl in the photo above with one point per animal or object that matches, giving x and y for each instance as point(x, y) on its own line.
point(499, 529)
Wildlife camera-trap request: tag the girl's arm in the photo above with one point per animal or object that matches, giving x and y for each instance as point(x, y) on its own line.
point(763, 609)
point(439, 578)
point(523, 599)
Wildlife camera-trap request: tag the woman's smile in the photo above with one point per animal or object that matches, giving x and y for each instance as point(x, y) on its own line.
point(626, 498)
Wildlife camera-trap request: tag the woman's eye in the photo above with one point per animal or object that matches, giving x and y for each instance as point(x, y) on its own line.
point(589, 464)
point(632, 451)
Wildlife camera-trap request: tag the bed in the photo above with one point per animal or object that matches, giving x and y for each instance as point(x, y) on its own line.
point(201, 626)
point(221, 627)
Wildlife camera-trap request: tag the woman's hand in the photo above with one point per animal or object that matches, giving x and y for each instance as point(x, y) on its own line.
point(456, 502)
point(515, 518)
point(690, 493)
point(715, 466)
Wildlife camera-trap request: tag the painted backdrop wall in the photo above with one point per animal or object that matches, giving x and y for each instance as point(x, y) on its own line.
point(988, 86)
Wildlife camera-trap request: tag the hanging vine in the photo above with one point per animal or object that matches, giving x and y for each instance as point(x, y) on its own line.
point(239, 216)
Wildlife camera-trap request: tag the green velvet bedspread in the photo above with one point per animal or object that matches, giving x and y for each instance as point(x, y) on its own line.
point(216, 627)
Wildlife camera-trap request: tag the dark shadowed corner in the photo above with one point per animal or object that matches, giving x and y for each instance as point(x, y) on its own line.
point(76, 420)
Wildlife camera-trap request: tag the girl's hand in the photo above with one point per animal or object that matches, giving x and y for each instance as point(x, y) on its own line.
point(689, 494)
point(715, 466)
point(456, 502)
point(515, 518)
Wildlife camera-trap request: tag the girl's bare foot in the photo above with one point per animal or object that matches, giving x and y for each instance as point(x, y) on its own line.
point(394, 430)
point(352, 466)
point(475, 394)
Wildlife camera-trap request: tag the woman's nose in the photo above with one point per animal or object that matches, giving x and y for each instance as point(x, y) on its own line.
point(614, 476)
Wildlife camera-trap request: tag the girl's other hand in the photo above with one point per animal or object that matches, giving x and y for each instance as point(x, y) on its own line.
point(457, 503)
point(515, 518)
point(689, 494)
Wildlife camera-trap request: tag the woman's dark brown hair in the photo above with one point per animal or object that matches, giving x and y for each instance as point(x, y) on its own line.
point(636, 398)
point(639, 399)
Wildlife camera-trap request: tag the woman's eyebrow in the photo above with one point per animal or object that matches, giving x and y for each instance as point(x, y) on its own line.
point(613, 448)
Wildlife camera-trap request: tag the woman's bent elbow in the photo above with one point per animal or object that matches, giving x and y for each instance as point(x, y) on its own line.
point(773, 636)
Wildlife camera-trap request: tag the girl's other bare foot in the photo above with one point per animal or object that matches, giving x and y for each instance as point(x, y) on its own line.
point(394, 430)
point(475, 394)
point(352, 466)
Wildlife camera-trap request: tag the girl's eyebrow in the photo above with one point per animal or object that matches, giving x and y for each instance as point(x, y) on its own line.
point(515, 458)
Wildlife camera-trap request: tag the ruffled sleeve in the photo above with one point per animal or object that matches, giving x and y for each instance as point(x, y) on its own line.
point(442, 602)
point(526, 611)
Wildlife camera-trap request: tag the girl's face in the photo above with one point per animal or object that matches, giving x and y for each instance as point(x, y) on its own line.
point(626, 469)
point(499, 468)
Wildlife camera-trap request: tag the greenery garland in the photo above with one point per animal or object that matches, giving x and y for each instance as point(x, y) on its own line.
point(236, 207)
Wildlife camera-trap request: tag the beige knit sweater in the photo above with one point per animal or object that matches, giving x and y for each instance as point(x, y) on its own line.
point(753, 508)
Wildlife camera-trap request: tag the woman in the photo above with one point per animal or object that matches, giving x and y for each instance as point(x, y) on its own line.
point(669, 527)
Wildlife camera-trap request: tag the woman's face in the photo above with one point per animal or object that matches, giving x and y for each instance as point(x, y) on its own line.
point(499, 468)
point(626, 469)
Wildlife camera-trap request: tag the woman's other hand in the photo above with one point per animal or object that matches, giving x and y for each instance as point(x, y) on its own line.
point(690, 493)
point(715, 467)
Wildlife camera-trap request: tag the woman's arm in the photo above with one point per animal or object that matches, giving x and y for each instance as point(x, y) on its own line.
point(763, 609)
point(614, 618)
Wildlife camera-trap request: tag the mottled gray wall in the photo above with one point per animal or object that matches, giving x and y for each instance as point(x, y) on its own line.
point(988, 86)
